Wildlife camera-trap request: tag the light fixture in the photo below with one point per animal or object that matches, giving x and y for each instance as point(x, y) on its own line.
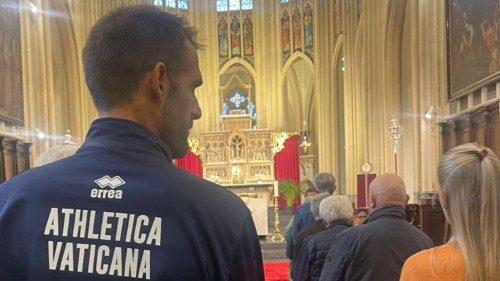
point(39, 134)
point(33, 8)
point(429, 114)
point(305, 142)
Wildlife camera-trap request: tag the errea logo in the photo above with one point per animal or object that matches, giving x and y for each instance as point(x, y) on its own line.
point(105, 182)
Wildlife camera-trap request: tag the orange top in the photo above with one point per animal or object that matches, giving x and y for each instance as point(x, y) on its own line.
point(443, 263)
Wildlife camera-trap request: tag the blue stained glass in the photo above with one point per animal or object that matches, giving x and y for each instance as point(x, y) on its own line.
point(183, 4)
point(225, 109)
point(234, 5)
point(158, 3)
point(250, 107)
point(170, 3)
point(237, 99)
point(246, 4)
point(221, 5)
point(283, 1)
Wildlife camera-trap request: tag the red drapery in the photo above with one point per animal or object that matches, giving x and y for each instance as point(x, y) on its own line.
point(286, 166)
point(191, 163)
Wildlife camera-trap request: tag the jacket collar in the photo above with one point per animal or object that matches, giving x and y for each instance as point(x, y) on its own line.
point(339, 222)
point(124, 134)
point(387, 211)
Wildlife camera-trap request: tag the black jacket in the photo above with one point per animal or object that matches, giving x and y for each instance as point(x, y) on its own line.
point(376, 250)
point(311, 258)
point(317, 226)
point(119, 209)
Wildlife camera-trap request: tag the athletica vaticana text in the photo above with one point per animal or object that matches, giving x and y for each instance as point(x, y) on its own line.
point(89, 230)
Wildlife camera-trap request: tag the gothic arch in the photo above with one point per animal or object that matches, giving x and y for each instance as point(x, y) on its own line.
point(240, 61)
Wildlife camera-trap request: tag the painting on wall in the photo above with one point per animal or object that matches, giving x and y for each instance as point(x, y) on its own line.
point(473, 39)
point(11, 87)
point(297, 29)
point(235, 30)
point(308, 30)
point(285, 34)
point(248, 38)
point(222, 34)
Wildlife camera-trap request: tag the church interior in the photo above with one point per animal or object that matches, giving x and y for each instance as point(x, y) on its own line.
point(356, 88)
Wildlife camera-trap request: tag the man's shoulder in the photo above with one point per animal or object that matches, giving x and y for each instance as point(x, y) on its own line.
point(209, 192)
point(304, 208)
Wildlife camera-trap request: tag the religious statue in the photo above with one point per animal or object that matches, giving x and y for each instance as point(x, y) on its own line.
point(222, 30)
point(235, 36)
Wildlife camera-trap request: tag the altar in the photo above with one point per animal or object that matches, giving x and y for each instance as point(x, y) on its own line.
point(257, 198)
point(240, 158)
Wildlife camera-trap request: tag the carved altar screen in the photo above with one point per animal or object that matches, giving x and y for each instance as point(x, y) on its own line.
point(238, 155)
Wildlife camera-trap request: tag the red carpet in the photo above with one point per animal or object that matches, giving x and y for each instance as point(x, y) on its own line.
point(276, 270)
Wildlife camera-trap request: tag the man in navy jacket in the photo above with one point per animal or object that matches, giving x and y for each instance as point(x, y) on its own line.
point(323, 183)
point(118, 209)
point(377, 249)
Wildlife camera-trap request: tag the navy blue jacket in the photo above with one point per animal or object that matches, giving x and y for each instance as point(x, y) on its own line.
point(375, 250)
point(311, 258)
point(118, 209)
point(303, 218)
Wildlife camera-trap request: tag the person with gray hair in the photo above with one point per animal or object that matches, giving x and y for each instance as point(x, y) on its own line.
point(351, 255)
point(323, 183)
point(337, 212)
point(317, 226)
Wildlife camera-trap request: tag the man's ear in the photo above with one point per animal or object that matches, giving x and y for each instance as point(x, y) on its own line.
point(372, 201)
point(160, 82)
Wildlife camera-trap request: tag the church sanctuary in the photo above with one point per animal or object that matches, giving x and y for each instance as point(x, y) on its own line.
point(293, 91)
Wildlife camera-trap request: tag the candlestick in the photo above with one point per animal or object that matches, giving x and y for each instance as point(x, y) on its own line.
point(275, 189)
point(277, 236)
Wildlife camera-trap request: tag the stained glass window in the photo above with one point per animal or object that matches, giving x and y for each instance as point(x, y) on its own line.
point(246, 4)
point(170, 3)
point(234, 5)
point(183, 4)
point(221, 5)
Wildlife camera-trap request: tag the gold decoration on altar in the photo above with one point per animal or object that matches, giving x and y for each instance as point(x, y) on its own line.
point(279, 140)
point(238, 155)
point(194, 144)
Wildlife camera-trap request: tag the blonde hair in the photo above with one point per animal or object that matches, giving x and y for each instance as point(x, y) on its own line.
point(470, 178)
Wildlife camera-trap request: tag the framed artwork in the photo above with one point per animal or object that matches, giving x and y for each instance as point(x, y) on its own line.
point(473, 45)
point(11, 86)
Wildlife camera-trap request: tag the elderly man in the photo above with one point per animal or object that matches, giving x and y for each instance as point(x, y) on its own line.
point(336, 211)
point(318, 226)
point(377, 249)
point(323, 183)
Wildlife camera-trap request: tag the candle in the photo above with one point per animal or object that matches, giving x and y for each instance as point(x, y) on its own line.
point(276, 192)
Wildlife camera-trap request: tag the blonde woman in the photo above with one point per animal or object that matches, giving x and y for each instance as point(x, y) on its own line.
point(469, 179)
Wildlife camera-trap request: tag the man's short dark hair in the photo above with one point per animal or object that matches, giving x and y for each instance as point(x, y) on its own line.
point(324, 182)
point(126, 44)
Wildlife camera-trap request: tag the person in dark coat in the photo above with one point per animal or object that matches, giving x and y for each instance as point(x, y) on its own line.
point(119, 209)
point(337, 212)
point(324, 183)
point(318, 226)
point(377, 249)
